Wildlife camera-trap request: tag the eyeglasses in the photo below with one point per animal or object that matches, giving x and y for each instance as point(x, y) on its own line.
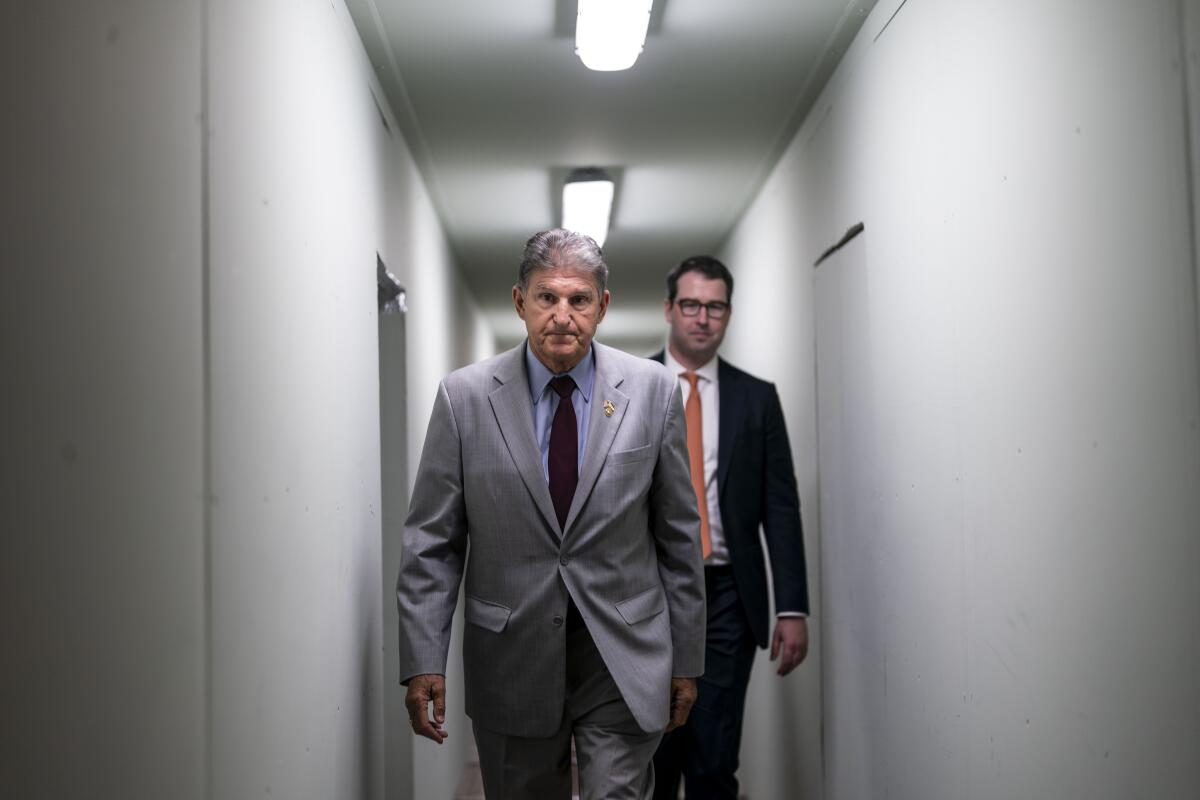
point(690, 308)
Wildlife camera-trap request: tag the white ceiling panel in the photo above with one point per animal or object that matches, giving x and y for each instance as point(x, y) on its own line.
point(497, 109)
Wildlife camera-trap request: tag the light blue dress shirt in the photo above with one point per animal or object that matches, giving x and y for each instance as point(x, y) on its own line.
point(545, 401)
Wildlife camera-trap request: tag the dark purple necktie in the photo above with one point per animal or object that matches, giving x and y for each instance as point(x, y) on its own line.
point(563, 462)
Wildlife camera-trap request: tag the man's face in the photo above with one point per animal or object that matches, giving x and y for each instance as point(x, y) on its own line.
point(696, 338)
point(561, 308)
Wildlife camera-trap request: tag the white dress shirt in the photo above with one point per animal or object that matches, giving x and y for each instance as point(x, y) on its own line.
point(710, 414)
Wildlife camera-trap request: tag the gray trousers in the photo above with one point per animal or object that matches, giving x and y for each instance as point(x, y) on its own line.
point(615, 756)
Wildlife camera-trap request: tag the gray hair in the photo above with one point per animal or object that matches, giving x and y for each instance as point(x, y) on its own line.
point(558, 248)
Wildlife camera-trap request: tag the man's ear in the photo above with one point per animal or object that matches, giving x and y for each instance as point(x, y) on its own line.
point(604, 298)
point(519, 301)
point(667, 310)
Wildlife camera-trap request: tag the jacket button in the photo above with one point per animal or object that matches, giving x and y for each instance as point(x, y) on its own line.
point(558, 621)
point(564, 560)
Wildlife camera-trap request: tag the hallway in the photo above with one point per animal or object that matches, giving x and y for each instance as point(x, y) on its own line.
point(213, 419)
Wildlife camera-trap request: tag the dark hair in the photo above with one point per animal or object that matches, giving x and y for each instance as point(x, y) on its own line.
point(558, 248)
point(707, 266)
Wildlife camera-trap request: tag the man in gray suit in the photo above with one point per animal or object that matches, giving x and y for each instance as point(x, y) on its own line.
point(563, 464)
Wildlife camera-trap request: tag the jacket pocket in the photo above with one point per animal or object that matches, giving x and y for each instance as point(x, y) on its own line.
point(489, 616)
point(642, 606)
point(626, 456)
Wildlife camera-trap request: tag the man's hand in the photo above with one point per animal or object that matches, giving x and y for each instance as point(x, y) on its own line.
point(683, 695)
point(423, 690)
point(790, 640)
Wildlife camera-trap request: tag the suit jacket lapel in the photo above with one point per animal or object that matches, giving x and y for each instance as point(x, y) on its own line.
point(733, 407)
point(514, 414)
point(602, 429)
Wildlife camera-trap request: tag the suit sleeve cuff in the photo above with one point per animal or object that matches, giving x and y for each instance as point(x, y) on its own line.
point(791, 614)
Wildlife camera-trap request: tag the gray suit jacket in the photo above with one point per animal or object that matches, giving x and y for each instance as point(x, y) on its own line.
point(629, 554)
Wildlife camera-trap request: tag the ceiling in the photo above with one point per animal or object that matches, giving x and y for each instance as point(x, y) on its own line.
point(496, 109)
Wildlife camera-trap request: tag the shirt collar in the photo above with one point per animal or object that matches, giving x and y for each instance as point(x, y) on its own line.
point(708, 371)
point(539, 375)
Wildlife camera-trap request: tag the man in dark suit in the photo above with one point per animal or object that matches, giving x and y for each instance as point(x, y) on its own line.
point(741, 469)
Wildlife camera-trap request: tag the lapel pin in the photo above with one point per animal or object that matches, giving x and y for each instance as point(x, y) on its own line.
point(609, 408)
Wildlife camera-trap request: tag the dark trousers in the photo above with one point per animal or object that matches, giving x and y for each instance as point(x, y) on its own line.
point(705, 750)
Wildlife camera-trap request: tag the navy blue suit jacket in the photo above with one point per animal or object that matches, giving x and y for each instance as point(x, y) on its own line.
point(756, 484)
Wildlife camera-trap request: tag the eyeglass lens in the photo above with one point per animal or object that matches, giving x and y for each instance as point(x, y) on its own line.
point(690, 308)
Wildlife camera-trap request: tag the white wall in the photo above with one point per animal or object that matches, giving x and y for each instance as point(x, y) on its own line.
point(297, 206)
point(1191, 66)
point(308, 184)
point(102, 559)
point(445, 330)
point(770, 335)
point(192, 587)
point(1008, 439)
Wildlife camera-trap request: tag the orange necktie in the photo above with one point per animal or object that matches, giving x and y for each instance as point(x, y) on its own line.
point(695, 444)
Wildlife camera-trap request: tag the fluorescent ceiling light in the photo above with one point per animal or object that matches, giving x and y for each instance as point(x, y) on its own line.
point(587, 202)
point(609, 34)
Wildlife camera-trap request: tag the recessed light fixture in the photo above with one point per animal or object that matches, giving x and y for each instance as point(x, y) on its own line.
point(587, 203)
point(610, 34)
